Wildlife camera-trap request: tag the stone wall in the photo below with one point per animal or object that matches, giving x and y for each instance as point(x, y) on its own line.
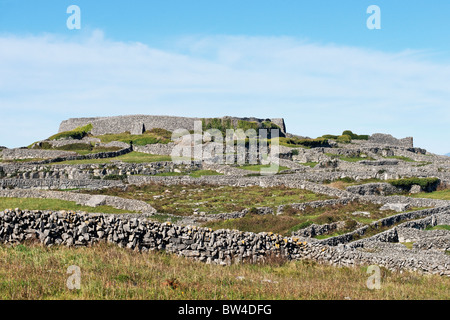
point(137, 124)
point(93, 171)
point(15, 154)
point(219, 247)
point(82, 199)
point(55, 184)
point(387, 139)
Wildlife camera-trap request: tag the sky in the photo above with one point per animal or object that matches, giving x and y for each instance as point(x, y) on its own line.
point(314, 63)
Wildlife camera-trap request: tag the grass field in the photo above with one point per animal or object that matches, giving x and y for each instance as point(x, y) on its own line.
point(53, 204)
point(293, 220)
point(132, 157)
point(112, 273)
point(440, 195)
point(259, 167)
point(183, 199)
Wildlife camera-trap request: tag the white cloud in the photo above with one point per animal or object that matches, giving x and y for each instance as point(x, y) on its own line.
point(317, 88)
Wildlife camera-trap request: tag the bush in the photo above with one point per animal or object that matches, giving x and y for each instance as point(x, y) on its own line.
point(330, 136)
point(427, 184)
point(355, 136)
point(310, 143)
point(78, 133)
point(294, 152)
point(344, 138)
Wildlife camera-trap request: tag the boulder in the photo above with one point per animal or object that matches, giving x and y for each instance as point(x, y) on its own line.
point(96, 201)
point(398, 207)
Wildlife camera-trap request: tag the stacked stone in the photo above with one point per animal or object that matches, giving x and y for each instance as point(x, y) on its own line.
point(219, 247)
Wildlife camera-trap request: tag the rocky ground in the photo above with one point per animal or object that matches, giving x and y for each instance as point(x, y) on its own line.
point(362, 171)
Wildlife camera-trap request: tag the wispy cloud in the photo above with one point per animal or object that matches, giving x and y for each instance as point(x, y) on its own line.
point(317, 88)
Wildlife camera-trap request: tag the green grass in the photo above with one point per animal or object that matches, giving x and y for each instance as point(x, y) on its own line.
point(293, 219)
point(439, 227)
point(132, 157)
point(303, 143)
point(183, 199)
point(343, 183)
point(409, 245)
point(258, 167)
point(148, 137)
point(53, 204)
point(310, 164)
point(34, 272)
point(77, 133)
point(439, 195)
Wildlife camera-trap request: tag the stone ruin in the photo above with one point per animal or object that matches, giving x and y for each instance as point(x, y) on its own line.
point(383, 158)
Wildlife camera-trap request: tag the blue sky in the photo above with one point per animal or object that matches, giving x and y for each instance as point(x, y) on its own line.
point(315, 63)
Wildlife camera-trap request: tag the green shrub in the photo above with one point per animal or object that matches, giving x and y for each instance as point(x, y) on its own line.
point(344, 138)
point(355, 136)
point(294, 152)
point(426, 184)
point(310, 143)
point(269, 125)
point(330, 136)
point(78, 133)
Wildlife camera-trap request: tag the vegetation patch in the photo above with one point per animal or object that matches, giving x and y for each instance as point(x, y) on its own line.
point(309, 164)
point(152, 136)
point(259, 167)
point(293, 219)
point(406, 183)
point(54, 204)
point(78, 133)
point(112, 273)
point(184, 199)
point(439, 227)
point(346, 135)
point(438, 195)
point(305, 143)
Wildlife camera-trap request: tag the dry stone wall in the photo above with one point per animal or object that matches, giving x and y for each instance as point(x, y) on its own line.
point(137, 124)
point(218, 247)
point(15, 154)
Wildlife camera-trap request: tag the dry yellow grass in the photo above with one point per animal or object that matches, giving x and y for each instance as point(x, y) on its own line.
point(109, 272)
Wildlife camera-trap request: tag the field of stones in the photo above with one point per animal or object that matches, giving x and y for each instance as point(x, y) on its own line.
point(338, 200)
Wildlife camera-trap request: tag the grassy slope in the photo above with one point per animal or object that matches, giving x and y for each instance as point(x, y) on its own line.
point(182, 199)
point(293, 220)
point(109, 272)
point(440, 195)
